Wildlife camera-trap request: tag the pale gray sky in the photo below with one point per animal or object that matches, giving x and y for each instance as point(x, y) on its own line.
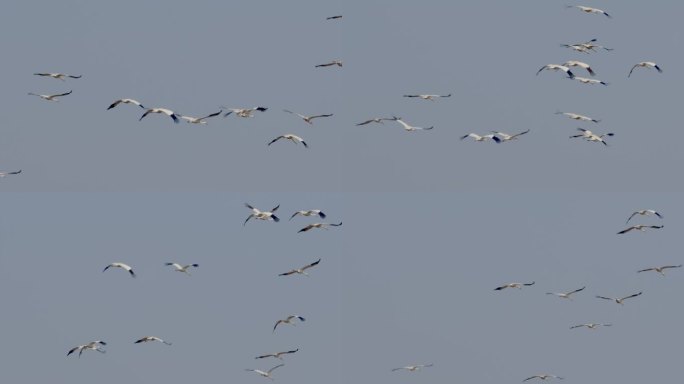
point(431, 223)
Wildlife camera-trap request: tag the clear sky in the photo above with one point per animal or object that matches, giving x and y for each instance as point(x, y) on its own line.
point(431, 223)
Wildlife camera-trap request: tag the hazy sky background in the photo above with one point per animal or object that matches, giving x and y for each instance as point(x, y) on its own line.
point(431, 223)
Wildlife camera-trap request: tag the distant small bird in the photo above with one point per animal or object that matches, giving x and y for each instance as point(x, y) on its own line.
point(123, 266)
point(428, 97)
point(565, 295)
point(576, 116)
point(93, 346)
point(293, 138)
point(557, 67)
point(165, 111)
point(60, 76)
point(51, 97)
point(5, 173)
point(375, 120)
point(586, 47)
point(619, 300)
point(591, 136)
point(660, 270)
point(150, 338)
point(408, 127)
point(543, 377)
point(244, 112)
point(581, 64)
point(477, 137)
point(308, 118)
point(590, 325)
point(319, 225)
point(645, 64)
point(310, 212)
point(644, 212)
point(585, 80)
point(501, 137)
point(125, 101)
point(333, 17)
point(334, 62)
point(513, 285)
point(262, 215)
point(265, 373)
point(302, 270)
point(182, 268)
point(199, 120)
point(590, 10)
point(412, 368)
point(640, 227)
point(277, 355)
point(288, 320)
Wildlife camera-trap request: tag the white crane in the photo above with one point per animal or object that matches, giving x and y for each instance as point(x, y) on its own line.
point(265, 373)
point(181, 268)
point(585, 80)
point(125, 101)
point(293, 138)
point(375, 120)
point(428, 97)
point(586, 47)
point(591, 325)
point(288, 320)
point(262, 215)
point(640, 227)
point(123, 266)
point(308, 119)
point(477, 137)
point(565, 295)
point(310, 212)
point(244, 112)
point(199, 120)
point(50, 97)
point(619, 300)
point(576, 116)
point(319, 225)
point(93, 346)
point(581, 64)
point(147, 339)
point(513, 285)
point(645, 64)
point(5, 173)
point(334, 62)
point(165, 111)
point(591, 136)
point(557, 67)
point(590, 10)
point(302, 270)
point(410, 128)
point(660, 270)
point(501, 136)
point(60, 76)
point(644, 212)
point(543, 376)
point(412, 368)
point(277, 355)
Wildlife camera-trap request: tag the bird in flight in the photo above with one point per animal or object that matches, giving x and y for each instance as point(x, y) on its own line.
point(93, 346)
point(590, 10)
point(513, 285)
point(150, 338)
point(334, 62)
point(198, 120)
point(581, 64)
point(477, 137)
point(308, 118)
point(428, 97)
point(5, 173)
point(557, 67)
point(409, 128)
point(310, 212)
point(50, 97)
point(265, 373)
point(302, 270)
point(165, 111)
point(590, 325)
point(334, 17)
point(591, 136)
point(585, 80)
point(125, 101)
point(293, 138)
point(182, 268)
point(288, 320)
point(277, 355)
point(576, 116)
point(645, 64)
point(244, 112)
point(319, 225)
point(123, 266)
point(60, 76)
point(565, 295)
point(660, 270)
point(644, 212)
point(375, 120)
point(640, 227)
point(619, 300)
point(543, 377)
point(586, 47)
point(501, 137)
point(412, 368)
point(262, 215)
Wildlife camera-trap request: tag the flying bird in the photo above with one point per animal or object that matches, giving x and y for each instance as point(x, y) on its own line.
point(565, 295)
point(590, 10)
point(375, 120)
point(557, 67)
point(645, 64)
point(288, 320)
point(277, 355)
point(477, 137)
point(165, 111)
point(123, 266)
point(60, 76)
point(513, 285)
point(640, 227)
point(644, 212)
point(266, 373)
point(586, 47)
point(585, 80)
point(308, 118)
point(51, 97)
point(428, 97)
point(126, 101)
point(5, 173)
point(412, 368)
point(660, 270)
point(262, 215)
point(93, 346)
point(182, 268)
point(543, 377)
point(319, 225)
point(302, 270)
point(591, 136)
point(334, 17)
point(581, 64)
point(150, 338)
point(590, 325)
point(293, 138)
point(244, 112)
point(410, 128)
point(501, 137)
point(310, 212)
point(334, 62)
point(619, 300)
point(576, 116)
point(199, 120)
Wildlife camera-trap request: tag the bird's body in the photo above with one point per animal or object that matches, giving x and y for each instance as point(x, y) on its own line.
point(60, 76)
point(619, 300)
point(302, 270)
point(181, 268)
point(412, 368)
point(330, 64)
point(293, 138)
point(147, 339)
point(660, 270)
point(543, 377)
point(428, 97)
point(644, 212)
point(319, 225)
point(51, 97)
point(308, 119)
point(585, 80)
point(93, 346)
point(408, 127)
point(126, 101)
point(288, 320)
point(513, 285)
point(502, 137)
point(590, 10)
point(375, 120)
point(310, 212)
point(565, 295)
point(165, 111)
point(590, 325)
point(199, 120)
point(6, 173)
point(244, 112)
point(262, 215)
point(123, 266)
point(266, 374)
point(579, 117)
point(277, 355)
point(645, 64)
point(639, 227)
point(557, 67)
point(477, 137)
point(591, 136)
point(581, 64)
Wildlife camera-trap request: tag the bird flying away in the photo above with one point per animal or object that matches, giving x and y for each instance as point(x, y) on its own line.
point(146, 339)
point(644, 212)
point(590, 10)
point(408, 127)
point(310, 212)
point(645, 64)
point(375, 120)
point(639, 227)
point(199, 120)
point(319, 225)
point(565, 295)
point(244, 112)
point(302, 270)
point(288, 320)
point(591, 136)
point(477, 137)
point(619, 300)
point(293, 138)
point(277, 355)
point(557, 67)
point(51, 97)
point(181, 268)
point(576, 116)
point(60, 76)
point(93, 346)
point(660, 270)
point(513, 285)
point(123, 266)
point(308, 119)
point(502, 137)
point(265, 373)
point(125, 101)
point(165, 111)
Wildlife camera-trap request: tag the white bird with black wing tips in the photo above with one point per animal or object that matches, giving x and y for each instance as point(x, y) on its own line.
point(566, 295)
point(199, 120)
point(93, 346)
point(164, 111)
point(308, 119)
point(50, 97)
point(557, 67)
point(576, 116)
point(639, 227)
point(581, 64)
point(125, 101)
point(412, 368)
point(277, 355)
point(513, 285)
point(408, 127)
point(147, 339)
point(585, 80)
point(586, 9)
point(645, 64)
point(660, 270)
point(319, 225)
point(591, 325)
point(244, 112)
point(619, 300)
point(543, 376)
point(60, 76)
point(644, 212)
point(591, 136)
point(500, 137)
point(123, 266)
point(262, 215)
point(265, 373)
point(181, 268)
point(428, 97)
point(288, 320)
point(310, 212)
point(302, 270)
point(477, 137)
point(293, 138)
point(375, 120)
